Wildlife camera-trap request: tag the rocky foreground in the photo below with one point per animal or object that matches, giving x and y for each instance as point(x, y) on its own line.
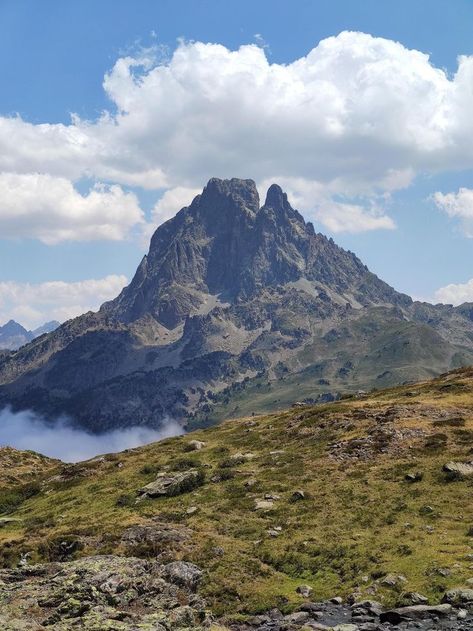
point(125, 593)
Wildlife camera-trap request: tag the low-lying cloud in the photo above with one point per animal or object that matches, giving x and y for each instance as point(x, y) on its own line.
point(26, 430)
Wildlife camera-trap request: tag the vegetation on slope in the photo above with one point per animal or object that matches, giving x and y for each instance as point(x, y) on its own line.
point(335, 496)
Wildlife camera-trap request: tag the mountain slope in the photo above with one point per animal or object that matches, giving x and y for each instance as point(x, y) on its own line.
point(344, 498)
point(236, 308)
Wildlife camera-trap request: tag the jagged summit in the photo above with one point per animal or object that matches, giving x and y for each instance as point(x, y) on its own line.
point(237, 308)
point(225, 243)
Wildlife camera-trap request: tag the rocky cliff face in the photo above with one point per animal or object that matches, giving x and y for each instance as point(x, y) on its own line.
point(226, 246)
point(238, 307)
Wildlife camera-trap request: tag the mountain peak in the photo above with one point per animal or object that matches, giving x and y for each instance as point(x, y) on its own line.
point(225, 244)
point(243, 192)
point(12, 328)
point(276, 197)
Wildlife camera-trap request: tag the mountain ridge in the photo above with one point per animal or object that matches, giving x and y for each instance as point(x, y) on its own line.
point(237, 307)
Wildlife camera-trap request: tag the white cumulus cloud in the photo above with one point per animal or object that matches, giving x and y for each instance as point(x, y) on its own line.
point(358, 117)
point(33, 304)
point(50, 209)
point(454, 294)
point(458, 206)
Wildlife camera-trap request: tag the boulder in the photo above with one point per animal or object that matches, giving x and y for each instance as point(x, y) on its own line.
point(415, 612)
point(371, 607)
point(195, 445)
point(458, 470)
point(305, 591)
point(183, 574)
point(298, 617)
point(414, 598)
point(458, 596)
point(169, 484)
point(264, 505)
point(392, 580)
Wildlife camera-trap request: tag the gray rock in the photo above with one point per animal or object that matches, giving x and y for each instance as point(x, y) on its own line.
point(414, 598)
point(459, 469)
point(305, 590)
point(458, 596)
point(195, 445)
point(172, 483)
point(264, 505)
point(415, 612)
point(298, 617)
point(393, 580)
point(183, 574)
point(101, 592)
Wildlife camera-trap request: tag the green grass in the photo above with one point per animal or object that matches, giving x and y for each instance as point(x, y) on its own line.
point(359, 520)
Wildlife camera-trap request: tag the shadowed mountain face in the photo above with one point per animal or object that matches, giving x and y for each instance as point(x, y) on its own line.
point(236, 308)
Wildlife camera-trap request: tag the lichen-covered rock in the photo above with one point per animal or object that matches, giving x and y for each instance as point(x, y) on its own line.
point(102, 593)
point(184, 574)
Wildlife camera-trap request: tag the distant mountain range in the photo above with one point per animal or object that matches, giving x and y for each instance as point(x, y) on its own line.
point(237, 308)
point(13, 335)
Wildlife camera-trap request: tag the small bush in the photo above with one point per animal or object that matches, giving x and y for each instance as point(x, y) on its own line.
point(11, 499)
point(234, 461)
point(60, 548)
point(148, 469)
point(184, 464)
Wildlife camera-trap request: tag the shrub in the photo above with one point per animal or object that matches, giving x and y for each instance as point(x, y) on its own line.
point(62, 548)
point(149, 469)
point(11, 499)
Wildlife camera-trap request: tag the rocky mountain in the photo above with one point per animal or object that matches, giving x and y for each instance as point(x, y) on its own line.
point(237, 308)
point(13, 335)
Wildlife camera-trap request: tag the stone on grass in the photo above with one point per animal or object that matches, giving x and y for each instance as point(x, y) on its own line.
point(305, 591)
point(170, 484)
point(458, 596)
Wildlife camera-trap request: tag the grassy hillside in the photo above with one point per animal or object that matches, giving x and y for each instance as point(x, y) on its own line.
point(336, 510)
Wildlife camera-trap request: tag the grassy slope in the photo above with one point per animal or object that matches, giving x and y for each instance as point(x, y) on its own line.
point(360, 518)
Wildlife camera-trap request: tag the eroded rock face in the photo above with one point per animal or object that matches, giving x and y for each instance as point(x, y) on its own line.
point(98, 593)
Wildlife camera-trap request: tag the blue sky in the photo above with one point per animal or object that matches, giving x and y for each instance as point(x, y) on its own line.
point(53, 59)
